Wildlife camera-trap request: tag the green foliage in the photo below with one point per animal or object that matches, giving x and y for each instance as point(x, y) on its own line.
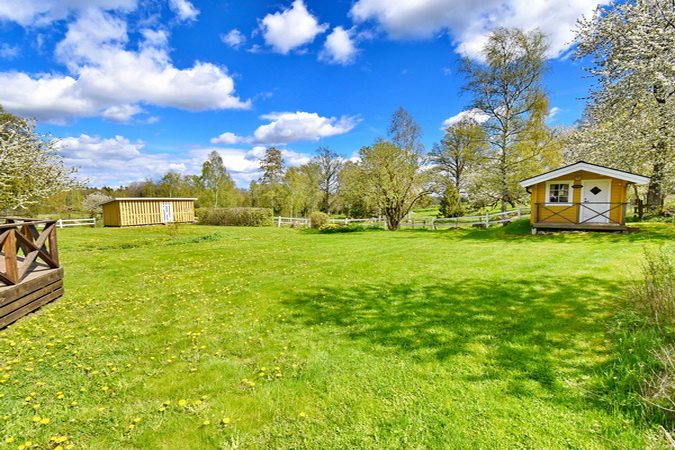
point(337, 228)
point(218, 189)
point(654, 295)
point(240, 217)
point(318, 219)
point(451, 203)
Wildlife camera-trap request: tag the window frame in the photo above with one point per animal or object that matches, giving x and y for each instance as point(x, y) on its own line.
point(570, 195)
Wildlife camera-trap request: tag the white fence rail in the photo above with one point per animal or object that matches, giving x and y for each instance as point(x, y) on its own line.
point(76, 222)
point(434, 223)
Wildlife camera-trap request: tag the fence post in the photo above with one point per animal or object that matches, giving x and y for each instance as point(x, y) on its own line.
point(487, 220)
point(94, 222)
point(433, 224)
point(60, 223)
point(279, 222)
point(519, 213)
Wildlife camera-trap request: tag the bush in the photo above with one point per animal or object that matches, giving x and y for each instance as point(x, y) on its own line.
point(239, 217)
point(318, 219)
point(654, 295)
point(334, 228)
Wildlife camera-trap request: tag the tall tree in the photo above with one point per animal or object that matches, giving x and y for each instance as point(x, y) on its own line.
point(216, 182)
point(302, 185)
point(629, 119)
point(508, 87)
point(31, 169)
point(392, 177)
point(270, 191)
point(461, 149)
point(330, 165)
point(404, 132)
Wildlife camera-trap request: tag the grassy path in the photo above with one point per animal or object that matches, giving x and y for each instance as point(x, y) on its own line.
point(202, 337)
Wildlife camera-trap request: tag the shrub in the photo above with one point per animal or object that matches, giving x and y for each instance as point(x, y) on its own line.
point(240, 217)
point(318, 219)
point(334, 228)
point(654, 295)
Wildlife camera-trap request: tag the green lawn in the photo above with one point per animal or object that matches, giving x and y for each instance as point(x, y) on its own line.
point(199, 337)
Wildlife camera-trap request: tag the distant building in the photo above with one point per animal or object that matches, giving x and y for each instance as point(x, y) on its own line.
point(127, 212)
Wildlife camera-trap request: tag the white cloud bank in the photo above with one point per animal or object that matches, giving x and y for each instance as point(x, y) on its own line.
point(290, 28)
point(118, 161)
point(234, 38)
point(288, 127)
point(470, 21)
point(105, 79)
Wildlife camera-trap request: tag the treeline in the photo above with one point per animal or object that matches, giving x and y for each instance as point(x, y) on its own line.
point(501, 139)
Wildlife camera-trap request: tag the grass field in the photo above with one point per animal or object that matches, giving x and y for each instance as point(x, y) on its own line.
point(206, 337)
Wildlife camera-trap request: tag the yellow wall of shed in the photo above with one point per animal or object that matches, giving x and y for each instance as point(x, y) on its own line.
point(121, 213)
point(618, 194)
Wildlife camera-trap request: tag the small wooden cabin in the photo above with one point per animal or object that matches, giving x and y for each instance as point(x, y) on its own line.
point(581, 196)
point(128, 212)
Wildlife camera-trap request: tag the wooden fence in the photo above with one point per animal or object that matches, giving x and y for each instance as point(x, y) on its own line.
point(76, 222)
point(433, 223)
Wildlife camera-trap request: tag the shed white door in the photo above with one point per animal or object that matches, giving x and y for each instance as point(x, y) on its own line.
point(167, 212)
point(595, 196)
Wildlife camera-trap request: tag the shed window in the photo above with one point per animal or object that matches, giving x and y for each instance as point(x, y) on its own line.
point(559, 193)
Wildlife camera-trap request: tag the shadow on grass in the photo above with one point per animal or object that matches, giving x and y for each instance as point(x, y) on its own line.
point(532, 329)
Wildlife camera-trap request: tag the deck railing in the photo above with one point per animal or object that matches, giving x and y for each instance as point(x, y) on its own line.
point(581, 213)
point(21, 235)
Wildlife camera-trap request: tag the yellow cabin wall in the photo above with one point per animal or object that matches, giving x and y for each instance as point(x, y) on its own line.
point(618, 194)
point(125, 213)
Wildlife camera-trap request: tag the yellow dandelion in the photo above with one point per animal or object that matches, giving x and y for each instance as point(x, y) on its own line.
point(105, 388)
point(207, 422)
point(137, 419)
point(45, 421)
point(37, 419)
point(226, 420)
point(182, 402)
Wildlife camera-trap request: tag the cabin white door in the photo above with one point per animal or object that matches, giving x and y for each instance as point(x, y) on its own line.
point(167, 212)
point(595, 201)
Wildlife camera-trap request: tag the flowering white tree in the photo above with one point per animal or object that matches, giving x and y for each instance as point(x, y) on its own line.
point(30, 167)
point(629, 119)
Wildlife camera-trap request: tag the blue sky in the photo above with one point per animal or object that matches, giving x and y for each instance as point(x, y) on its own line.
point(134, 88)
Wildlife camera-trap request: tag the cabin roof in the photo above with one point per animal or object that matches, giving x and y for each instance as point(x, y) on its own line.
point(587, 167)
point(164, 199)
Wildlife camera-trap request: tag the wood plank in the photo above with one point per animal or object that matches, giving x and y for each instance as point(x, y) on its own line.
point(10, 293)
point(16, 304)
point(11, 268)
point(19, 313)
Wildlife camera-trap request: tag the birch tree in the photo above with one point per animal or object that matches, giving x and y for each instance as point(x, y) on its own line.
point(31, 169)
point(508, 87)
point(629, 120)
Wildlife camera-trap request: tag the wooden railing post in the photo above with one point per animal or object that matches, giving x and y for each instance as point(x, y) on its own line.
point(11, 265)
point(53, 246)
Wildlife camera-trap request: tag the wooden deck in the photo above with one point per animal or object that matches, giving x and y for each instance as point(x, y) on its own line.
point(27, 283)
point(580, 226)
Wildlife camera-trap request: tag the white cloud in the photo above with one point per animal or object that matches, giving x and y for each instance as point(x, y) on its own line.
point(43, 12)
point(121, 113)
point(184, 9)
point(106, 79)
point(8, 51)
point(290, 28)
point(227, 139)
point(470, 21)
point(475, 114)
point(339, 47)
point(553, 112)
point(301, 126)
point(234, 38)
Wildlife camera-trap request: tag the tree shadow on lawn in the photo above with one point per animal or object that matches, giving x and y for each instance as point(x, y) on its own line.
point(538, 329)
